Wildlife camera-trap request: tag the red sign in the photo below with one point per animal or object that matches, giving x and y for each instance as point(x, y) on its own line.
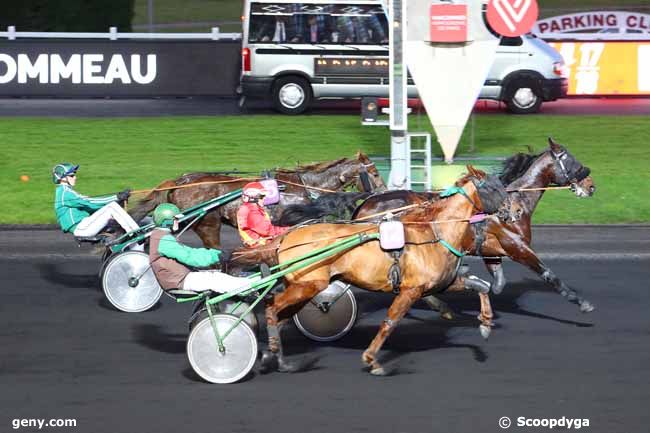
point(448, 23)
point(512, 17)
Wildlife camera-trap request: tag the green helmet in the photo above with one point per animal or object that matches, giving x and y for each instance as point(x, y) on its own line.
point(60, 171)
point(164, 214)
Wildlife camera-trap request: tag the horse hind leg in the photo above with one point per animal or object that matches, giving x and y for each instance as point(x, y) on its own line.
point(495, 267)
point(294, 294)
point(440, 306)
point(400, 306)
point(482, 287)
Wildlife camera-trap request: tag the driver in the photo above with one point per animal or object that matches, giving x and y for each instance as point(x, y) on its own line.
point(82, 215)
point(253, 222)
point(170, 259)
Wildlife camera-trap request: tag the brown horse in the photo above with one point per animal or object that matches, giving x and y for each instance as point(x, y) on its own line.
point(497, 238)
point(426, 265)
point(335, 175)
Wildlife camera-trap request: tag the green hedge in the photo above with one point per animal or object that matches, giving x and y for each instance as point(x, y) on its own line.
point(66, 15)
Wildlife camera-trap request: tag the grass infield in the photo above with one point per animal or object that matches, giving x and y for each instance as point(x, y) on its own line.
point(139, 153)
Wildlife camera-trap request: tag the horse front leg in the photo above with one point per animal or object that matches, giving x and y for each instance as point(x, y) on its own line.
point(294, 295)
point(519, 251)
point(400, 306)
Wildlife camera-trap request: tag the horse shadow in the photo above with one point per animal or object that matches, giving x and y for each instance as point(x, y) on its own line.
point(55, 273)
point(155, 338)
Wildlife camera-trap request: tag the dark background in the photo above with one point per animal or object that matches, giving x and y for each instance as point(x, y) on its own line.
point(184, 68)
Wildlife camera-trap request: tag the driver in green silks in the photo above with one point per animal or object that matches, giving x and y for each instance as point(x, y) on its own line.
point(170, 260)
point(82, 215)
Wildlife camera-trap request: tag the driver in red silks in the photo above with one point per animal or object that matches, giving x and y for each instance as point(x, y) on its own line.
point(254, 223)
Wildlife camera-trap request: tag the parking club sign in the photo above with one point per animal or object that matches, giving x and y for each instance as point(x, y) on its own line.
point(448, 23)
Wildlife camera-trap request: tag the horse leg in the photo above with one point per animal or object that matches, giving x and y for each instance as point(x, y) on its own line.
point(209, 230)
point(522, 253)
point(495, 267)
point(296, 293)
point(483, 288)
point(440, 306)
point(400, 306)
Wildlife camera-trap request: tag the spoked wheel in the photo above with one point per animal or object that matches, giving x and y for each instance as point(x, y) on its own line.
point(228, 307)
point(232, 363)
point(129, 283)
point(330, 315)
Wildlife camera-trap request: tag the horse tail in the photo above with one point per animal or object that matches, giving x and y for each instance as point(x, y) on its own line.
point(300, 213)
point(151, 200)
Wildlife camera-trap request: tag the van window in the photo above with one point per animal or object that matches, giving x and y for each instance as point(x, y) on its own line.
point(309, 23)
point(511, 42)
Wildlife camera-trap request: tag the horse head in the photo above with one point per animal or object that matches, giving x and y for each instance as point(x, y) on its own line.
point(369, 178)
point(568, 171)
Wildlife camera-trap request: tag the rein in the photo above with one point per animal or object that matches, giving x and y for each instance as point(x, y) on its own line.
point(539, 189)
point(216, 182)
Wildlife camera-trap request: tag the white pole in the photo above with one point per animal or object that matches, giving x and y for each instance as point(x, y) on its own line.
point(112, 33)
point(150, 15)
point(215, 33)
point(399, 152)
point(12, 33)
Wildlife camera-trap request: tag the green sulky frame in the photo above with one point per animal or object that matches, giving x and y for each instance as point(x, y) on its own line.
point(265, 285)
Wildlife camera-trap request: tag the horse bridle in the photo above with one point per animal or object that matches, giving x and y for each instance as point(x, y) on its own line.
point(571, 179)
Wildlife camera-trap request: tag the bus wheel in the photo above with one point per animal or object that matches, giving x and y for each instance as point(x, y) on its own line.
point(291, 95)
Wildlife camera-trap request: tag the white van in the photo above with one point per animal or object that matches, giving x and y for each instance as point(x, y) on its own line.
point(295, 53)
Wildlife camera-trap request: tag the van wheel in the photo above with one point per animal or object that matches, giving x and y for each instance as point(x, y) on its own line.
point(291, 95)
point(523, 97)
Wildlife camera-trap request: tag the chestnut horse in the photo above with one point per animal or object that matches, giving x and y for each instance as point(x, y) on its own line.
point(334, 175)
point(428, 264)
point(497, 238)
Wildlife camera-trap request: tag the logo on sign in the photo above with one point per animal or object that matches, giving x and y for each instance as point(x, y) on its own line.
point(512, 17)
point(448, 23)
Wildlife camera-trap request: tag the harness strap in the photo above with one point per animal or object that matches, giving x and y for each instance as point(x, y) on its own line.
point(453, 250)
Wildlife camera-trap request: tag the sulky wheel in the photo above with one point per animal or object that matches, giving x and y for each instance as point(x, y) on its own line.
point(129, 283)
point(231, 364)
point(330, 315)
point(228, 308)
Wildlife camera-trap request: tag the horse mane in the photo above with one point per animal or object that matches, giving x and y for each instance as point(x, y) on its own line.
point(317, 167)
point(515, 166)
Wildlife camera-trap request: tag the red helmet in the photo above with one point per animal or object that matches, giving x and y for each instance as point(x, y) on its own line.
point(254, 190)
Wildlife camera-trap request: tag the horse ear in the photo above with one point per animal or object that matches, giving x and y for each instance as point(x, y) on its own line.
point(471, 170)
point(554, 145)
point(361, 156)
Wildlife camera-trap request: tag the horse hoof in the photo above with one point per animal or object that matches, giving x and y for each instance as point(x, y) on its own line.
point(268, 363)
point(289, 367)
point(378, 371)
point(485, 331)
point(447, 315)
point(587, 307)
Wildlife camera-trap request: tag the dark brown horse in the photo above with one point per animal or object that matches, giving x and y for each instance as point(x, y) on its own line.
point(335, 175)
point(497, 238)
point(426, 265)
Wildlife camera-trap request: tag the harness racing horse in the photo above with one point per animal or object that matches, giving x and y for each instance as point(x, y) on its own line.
point(496, 237)
point(335, 175)
point(428, 263)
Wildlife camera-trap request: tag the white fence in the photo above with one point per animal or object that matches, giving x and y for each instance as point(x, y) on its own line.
point(113, 35)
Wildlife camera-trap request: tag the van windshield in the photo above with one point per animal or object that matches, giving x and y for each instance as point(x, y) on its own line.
point(310, 23)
